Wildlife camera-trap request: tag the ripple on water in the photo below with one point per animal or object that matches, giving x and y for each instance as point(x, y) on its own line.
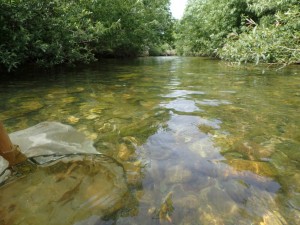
point(191, 126)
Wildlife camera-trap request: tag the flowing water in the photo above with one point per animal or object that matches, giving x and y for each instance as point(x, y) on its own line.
point(200, 142)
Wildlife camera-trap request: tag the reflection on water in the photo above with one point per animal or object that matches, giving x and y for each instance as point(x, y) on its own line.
point(200, 142)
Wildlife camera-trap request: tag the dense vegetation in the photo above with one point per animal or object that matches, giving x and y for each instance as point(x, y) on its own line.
point(242, 30)
point(51, 32)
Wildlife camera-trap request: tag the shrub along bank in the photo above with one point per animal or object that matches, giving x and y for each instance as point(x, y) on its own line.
point(241, 30)
point(52, 32)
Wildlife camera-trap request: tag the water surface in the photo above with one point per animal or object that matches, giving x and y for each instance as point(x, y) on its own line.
point(200, 142)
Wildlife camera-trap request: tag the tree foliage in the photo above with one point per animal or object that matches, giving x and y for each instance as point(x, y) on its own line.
point(274, 38)
point(242, 30)
point(51, 32)
point(206, 24)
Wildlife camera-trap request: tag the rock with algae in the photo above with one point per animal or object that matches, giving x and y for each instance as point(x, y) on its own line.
point(124, 153)
point(65, 186)
point(257, 167)
point(273, 218)
point(178, 174)
point(164, 212)
point(166, 208)
point(23, 108)
point(67, 191)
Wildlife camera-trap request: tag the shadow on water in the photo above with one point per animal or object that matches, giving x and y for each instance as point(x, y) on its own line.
point(199, 142)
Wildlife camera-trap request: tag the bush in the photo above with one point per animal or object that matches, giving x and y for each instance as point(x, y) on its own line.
point(241, 30)
point(205, 25)
point(52, 32)
point(277, 42)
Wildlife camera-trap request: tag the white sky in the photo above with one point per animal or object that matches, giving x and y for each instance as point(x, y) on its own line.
point(177, 8)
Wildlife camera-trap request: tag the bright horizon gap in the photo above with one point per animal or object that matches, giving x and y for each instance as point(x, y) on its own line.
point(177, 8)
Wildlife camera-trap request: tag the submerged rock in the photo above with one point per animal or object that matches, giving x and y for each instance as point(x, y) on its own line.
point(69, 191)
point(22, 108)
point(178, 174)
point(273, 218)
point(30, 106)
point(166, 209)
point(133, 173)
point(124, 153)
point(210, 218)
point(236, 190)
point(73, 119)
point(257, 167)
point(189, 202)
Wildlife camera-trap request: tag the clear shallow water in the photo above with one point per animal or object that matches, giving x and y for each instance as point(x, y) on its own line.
point(200, 142)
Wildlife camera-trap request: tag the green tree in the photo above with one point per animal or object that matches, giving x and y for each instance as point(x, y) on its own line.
point(274, 38)
point(205, 25)
point(241, 30)
point(46, 32)
point(142, 24)
point(52, 32)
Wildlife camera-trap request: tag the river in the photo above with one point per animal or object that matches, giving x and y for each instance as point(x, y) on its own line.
point(200, 141)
